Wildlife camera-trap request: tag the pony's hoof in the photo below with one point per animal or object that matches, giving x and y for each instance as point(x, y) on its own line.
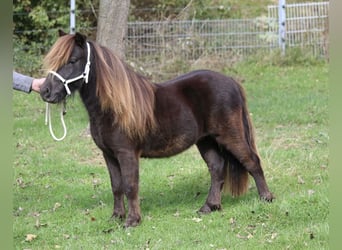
point(206, 208)
point(269, 197)
point(132, 222)
point(119, 215)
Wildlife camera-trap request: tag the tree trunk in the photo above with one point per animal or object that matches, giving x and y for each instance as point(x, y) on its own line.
point(112, 25)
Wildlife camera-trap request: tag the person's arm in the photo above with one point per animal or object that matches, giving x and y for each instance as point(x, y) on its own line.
point(26, 83)
point(22, 82)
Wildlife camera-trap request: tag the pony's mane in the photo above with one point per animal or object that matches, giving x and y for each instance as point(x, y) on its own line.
point(130, 96)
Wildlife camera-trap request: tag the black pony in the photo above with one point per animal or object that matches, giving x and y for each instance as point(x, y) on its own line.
point(130, 117)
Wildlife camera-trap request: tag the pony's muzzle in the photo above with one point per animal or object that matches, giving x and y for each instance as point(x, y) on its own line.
point(47, 95)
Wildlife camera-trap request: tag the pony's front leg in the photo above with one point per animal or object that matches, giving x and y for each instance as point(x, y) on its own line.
point(129, 166)
point(116, 183)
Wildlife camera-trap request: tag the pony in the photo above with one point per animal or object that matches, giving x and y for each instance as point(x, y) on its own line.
point(131, 117)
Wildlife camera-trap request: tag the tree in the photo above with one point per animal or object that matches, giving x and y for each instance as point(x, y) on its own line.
point(112, 24)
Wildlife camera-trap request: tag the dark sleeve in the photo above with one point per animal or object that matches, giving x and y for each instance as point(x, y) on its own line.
point(22, 82)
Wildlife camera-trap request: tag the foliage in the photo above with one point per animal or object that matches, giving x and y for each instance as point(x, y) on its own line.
point(62, 196)
point(35, 25)
point(148, 10)
point(33, 18)
point(190, 9)
point(26, 59)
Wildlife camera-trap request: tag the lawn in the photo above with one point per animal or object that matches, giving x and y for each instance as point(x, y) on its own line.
point(62, 197)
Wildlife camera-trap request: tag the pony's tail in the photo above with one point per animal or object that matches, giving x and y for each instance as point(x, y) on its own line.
point(236, 180)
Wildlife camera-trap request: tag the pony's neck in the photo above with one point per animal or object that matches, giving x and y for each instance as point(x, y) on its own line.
point(118, 92)
point(89, 98)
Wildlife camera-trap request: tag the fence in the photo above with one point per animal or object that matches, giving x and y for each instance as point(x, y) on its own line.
point(306, 26)
point(190, 40)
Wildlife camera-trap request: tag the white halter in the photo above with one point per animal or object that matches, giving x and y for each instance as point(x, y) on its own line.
point(85, 76)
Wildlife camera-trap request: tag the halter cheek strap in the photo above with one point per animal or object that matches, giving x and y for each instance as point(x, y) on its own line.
point(84, 75)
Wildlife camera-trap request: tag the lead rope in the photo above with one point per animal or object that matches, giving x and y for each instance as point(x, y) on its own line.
point(48, 121)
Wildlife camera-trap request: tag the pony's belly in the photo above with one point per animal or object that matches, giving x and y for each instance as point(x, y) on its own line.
point(164, 148)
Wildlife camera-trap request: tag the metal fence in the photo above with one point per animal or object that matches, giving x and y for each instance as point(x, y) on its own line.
point(192, 39)
point(155, 42)
point(307, 25)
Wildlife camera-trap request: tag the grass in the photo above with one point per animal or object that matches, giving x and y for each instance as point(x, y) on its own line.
point(62, 197)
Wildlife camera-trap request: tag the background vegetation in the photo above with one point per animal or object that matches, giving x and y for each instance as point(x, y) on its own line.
point(62, 196)
point(35, 23)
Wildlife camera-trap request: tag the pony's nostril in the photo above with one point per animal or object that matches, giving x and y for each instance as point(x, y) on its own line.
point(45, 92)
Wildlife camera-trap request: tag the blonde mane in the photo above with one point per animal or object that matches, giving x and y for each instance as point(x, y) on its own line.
point(59, 53)
point(128, 95)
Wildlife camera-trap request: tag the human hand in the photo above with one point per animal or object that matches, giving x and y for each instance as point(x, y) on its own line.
point(36, 83)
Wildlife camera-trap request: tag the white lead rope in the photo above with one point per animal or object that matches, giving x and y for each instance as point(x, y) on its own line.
point(48, 121)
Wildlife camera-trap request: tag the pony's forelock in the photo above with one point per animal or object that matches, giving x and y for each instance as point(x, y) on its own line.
point(59, 53)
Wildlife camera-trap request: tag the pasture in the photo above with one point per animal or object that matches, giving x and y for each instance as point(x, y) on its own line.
point(62, 197)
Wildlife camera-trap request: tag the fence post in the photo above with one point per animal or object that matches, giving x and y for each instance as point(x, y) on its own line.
point(72, 17)
point(282, 25)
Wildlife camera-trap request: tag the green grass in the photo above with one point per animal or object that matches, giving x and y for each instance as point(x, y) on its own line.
point(62, 191)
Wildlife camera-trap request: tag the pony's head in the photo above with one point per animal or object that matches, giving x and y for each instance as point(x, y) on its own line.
point(68, 64)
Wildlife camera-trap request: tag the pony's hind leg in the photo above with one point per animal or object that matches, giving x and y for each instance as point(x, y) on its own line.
point(116, 183)
point(210, 152)
point(234, 138)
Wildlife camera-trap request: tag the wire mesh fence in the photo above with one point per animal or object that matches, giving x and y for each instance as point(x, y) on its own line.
point(158, 45)
point(192, 39)
point(307, 25)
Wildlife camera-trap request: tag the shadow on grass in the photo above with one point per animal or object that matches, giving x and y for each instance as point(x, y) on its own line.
point(188, 193)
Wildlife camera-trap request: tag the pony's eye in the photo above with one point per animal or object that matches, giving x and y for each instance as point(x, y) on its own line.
point(72, 60)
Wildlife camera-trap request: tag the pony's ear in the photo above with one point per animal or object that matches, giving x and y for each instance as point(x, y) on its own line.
point(80, 39)
point(61, 33)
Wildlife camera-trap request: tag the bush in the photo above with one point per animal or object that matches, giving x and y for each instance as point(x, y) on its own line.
point(27, 59)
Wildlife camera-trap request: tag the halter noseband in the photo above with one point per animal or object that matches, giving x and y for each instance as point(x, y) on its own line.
point(84, 75)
